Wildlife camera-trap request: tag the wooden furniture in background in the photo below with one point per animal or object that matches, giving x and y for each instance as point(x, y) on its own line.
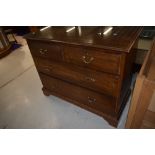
point(4, 44)
point(10, 32)
point(88, 66)
point(140, 115)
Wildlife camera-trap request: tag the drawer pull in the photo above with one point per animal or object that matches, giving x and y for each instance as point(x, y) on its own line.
point(47, 69)
point(42, 51)
point(87, 60)
point(91, 100)
point(90, 79)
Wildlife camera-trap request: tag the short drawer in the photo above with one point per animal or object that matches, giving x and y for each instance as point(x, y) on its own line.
point(45, 50)
point(96, 59)
point(83, 96)
point(98, 81)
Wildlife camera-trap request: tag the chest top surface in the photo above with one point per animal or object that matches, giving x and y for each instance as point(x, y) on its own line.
point(120, 38)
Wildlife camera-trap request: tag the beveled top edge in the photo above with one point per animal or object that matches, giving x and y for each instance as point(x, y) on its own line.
point(120, 39)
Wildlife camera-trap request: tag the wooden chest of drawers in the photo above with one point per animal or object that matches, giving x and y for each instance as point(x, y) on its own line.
point(88, 66)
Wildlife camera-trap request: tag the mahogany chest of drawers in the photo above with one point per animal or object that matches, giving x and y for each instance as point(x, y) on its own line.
point(88, 66)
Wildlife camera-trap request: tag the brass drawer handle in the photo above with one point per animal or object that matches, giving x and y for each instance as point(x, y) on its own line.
point(87, 60)
point(90, 79)
point(91, 100)
point(43, 51)
point(47, 69)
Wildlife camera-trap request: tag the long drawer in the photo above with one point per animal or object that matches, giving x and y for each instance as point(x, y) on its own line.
point(98, 81)
point(83, 96)
point(97, 59)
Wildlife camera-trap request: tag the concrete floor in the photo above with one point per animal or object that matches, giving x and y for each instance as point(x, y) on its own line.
point(23, 105)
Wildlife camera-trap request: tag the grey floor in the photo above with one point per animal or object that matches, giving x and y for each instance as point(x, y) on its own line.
point(23, 105)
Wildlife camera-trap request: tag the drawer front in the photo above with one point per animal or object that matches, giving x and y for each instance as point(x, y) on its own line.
point(83, 96)
point(94, 59)
point(45, 50)
point(98, 81)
